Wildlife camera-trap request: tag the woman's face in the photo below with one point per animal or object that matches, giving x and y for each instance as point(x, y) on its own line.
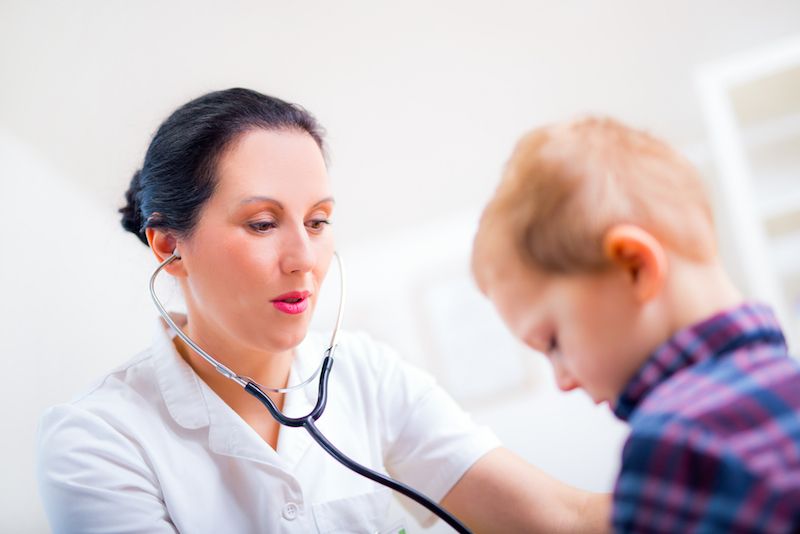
point(262, 245)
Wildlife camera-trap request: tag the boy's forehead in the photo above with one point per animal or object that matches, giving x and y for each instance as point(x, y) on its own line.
point(489, 247)
point(496, 262)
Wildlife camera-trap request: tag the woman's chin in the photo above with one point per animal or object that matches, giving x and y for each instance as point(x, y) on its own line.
point(282, 341)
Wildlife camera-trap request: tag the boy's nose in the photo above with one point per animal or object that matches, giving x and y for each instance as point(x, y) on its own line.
point(564, 380)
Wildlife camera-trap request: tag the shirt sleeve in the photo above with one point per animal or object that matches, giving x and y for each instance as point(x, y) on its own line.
point(430, 442)
point(93, 479)
point(683, 479)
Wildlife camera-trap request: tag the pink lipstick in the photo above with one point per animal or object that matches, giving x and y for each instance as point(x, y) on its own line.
point(292, 303)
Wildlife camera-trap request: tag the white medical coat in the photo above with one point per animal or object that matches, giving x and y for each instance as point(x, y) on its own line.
point(151, 448)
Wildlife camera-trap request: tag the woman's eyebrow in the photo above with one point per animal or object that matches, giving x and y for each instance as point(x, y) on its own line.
point(260, 198)
point(324, 200)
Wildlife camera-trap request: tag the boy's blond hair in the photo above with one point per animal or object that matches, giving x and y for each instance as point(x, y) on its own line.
point(567, 184)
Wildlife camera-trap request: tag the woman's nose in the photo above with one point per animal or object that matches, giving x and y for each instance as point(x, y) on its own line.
point(297, 254)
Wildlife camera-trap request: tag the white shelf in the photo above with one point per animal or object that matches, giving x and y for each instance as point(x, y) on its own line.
point(778, 196)
point(752, 109)
point(772, 150)
point(785, 255)
point(771, 131)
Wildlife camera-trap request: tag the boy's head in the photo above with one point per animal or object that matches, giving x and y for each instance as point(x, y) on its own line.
point(575, 246)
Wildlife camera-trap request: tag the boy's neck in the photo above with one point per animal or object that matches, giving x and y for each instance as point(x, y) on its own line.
point(695, 291)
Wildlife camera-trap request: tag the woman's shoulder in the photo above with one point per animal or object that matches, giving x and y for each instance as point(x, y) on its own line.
point(360, 344)
point(92, 445)
point(359, 350)
point(130, 375)
point(371, 363)
point(111, 401)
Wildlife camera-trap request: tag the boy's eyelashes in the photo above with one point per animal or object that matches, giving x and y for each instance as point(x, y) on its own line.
point(546, 345)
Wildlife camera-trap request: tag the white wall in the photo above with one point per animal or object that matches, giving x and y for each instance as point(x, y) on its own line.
point(74, 302)
point(422, 100)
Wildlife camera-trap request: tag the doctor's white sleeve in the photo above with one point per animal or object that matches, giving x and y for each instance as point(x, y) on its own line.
point(93, 479)
point(430, 441)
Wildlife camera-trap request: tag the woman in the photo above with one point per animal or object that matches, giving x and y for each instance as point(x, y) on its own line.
point(236, 181)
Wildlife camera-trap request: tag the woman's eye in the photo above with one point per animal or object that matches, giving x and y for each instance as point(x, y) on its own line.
point(318, 224)
point(262, 226)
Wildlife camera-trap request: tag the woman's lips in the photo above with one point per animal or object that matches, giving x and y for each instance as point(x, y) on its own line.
point(292, 308)
point(292, 303)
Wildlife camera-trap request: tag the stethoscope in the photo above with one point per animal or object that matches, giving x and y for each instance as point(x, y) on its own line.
point(307, 421)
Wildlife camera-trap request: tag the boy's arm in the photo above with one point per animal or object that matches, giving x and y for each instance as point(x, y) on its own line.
point(504, 493)
point(684, 479)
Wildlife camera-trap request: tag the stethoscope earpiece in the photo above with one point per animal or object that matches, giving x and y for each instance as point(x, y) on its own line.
point(177, 254)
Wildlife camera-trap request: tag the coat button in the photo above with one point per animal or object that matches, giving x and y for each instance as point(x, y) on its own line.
point(290, 511)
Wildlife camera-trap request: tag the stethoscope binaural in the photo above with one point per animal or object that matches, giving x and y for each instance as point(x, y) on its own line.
point(307, 421)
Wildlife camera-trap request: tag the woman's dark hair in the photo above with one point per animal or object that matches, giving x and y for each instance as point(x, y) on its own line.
point(178, 174)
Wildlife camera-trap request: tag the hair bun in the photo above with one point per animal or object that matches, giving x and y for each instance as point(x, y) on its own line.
point(132, 220)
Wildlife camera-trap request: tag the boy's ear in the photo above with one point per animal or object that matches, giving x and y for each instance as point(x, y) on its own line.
point(640, 255)
point(163, 244)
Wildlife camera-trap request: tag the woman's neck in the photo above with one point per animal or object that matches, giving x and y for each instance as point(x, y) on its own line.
point(266, 368)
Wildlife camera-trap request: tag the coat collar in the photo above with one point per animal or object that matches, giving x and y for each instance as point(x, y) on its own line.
point(180, 387)
point(193, 405)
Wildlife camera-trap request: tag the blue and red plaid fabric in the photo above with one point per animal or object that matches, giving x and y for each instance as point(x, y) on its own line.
point(715, 431)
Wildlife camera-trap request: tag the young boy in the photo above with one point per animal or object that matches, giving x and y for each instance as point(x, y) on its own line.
point(598, 250)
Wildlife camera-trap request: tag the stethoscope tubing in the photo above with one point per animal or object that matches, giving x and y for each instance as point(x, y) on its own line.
point(308, 422)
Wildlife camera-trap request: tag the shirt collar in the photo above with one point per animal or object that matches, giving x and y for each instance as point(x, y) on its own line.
point(192, 404)
point(180, 386)
point(722, 333)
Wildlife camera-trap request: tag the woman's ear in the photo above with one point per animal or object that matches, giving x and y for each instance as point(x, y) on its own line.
point(163, 244)
point(640, 255)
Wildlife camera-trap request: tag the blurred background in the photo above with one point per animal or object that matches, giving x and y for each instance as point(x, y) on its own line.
point(423, 102)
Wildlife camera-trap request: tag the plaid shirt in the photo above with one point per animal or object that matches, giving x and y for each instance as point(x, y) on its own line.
point(715, 431)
